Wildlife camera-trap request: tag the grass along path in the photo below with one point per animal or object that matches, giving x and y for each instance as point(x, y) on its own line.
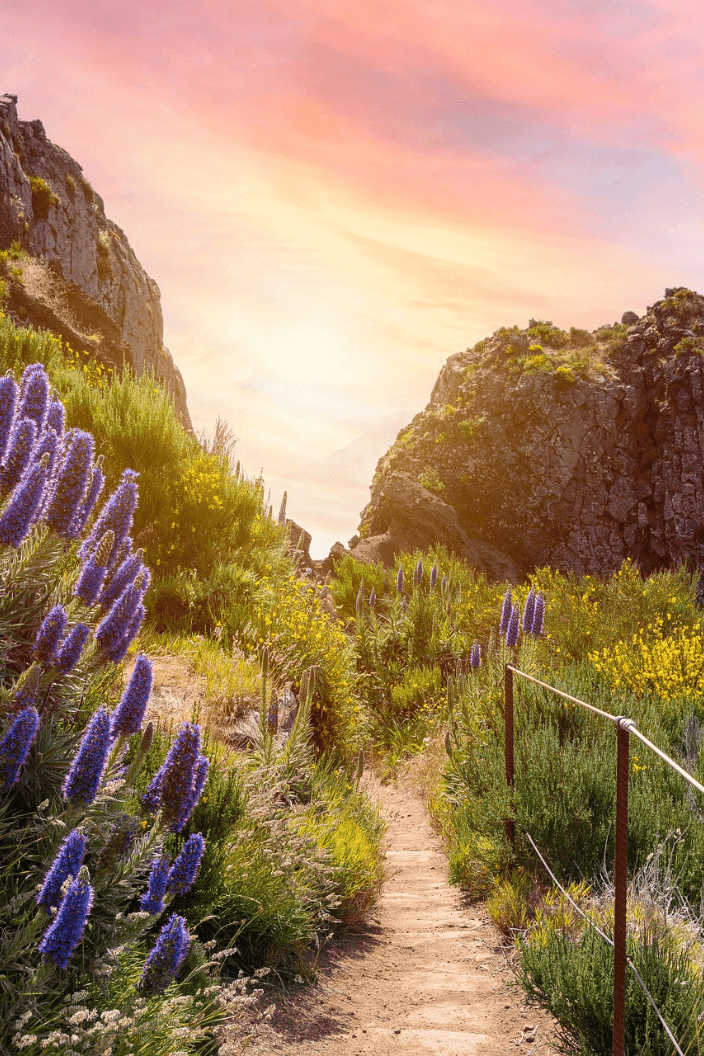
point(426, 975)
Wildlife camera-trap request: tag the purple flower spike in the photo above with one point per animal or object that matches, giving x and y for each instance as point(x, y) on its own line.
point(111, 631)
point(55, 417)
point(47, 444)
point(538, 616)
point(152, 901)
point(359, 603)
point(15, 745)
point(70, 652)
point(50, 634)
point(34, 396)
point(121, 837)
point(372, 598)
point(95, 486)
point(418, 574)
point(399, 581)
point(189, 805)
point(71, 484)
point(433, 576)
point(129, 713)
point(166, 958)
point(18, 455)
point(506, 612)
point(116, 515)
point(173, 784)
point(8, 396)
point(272, 716)
point(513, 628)
point(185, 869)
point(90, 581)
point(124, 575)
point(475, 656)
point(68, 862)
point(62, 937)
point(83, 779)
point(529, 612)
point(24, 507)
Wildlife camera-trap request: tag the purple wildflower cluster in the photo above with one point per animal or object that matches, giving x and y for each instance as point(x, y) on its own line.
point(166, 958)
point(399, 581)
point(533, 615)
point(82, 782)
point(66, 931)
point(177, 785)
point(15, 745)
point(475, 656)
point(152, 901)
point(68, 862)
point(128, 715)
point(185, 869)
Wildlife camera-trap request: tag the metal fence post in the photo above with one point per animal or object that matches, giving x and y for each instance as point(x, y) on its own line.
point(508, 744)
point(620, 886)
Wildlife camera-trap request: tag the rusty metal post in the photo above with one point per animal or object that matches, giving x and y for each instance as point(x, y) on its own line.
point(620, 887)
point(508, 744)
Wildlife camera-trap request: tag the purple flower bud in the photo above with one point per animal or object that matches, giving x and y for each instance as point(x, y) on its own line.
point(95, 486)
point(201, 775)
point(360, 597)
point(506, 612)
point(475, 656)
point(529, 612)
point(34, 396)
point(49, 635)
point(118, 843)
point(372, 598)
point(173, 783)
point(67, 862)
point(24, 507)
point(166, 958)
point(433, 576)
point(185, 869)
point(83, 779)
point(15, 745)
point(70, 652)
point(55, 417)
point(513, 627)
point(538, 616)
point(272, 715)
point(8, 396)
point(418, 574)
point(71, 484)
point(66, 931)
point(399, 581)
point(18, 455)
point(47, 444)
point(90, 581)
point(152, 901)
point(116, 515)
point(129, 713)
point(123, 576)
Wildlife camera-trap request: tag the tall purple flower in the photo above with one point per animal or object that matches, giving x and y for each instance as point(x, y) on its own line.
point(47, 445)
point(83, 779)
point(475, 656)
point(538, 616)
point(49, 635)
point(372, 598)
point(129, 713)
point(15, 745)
point(444, 584)
point(67, 862)
point(118, 843)
point(66, 931)
point(55, 417)
point(166, 958)
point(152, 901)
point(359, 603)
point(19, 453)
point(529, 612)
point(116, 515)
point(119, 653)
point(513, 628)
point(418, 574)
point(122, 577)
point(399, 581)
point(24, 507)
point(34, 396)
point(173, 783)
point(95, 486)
point(189, 804)
point(185, 869)
point(8, 396)
point(71, 648)
point(506, 611)
point(113, 628)
point(90, 581)
point(433, 576)
point(71, 484)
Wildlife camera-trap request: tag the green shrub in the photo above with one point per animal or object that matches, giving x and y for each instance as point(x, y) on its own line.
point(43, 198)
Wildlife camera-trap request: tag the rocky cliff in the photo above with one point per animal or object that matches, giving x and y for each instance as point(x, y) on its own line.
point(84, 280)
point(546, 447)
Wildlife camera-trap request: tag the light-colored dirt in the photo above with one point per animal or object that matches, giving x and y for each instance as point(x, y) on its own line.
point(426, 976)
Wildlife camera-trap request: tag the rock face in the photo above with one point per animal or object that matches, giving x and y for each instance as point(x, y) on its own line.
point(50, 209)
point(542, 447)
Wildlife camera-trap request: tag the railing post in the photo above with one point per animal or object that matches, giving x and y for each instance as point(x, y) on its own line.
point(508, 744)
point(620, 886)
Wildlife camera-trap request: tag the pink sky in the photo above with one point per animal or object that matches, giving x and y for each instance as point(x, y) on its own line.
point(336, 195)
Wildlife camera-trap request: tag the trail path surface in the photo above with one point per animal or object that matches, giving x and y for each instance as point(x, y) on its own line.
point(425, 976)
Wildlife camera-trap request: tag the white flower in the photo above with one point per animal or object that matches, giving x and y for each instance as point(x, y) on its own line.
point(25, 1040)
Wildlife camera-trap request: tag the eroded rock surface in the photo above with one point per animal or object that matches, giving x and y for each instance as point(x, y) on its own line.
point(574, 449)
point(95, 271)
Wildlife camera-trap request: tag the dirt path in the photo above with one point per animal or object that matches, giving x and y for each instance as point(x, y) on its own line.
point(426, 976)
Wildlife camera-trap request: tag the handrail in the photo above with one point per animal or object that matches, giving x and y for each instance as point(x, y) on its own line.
point(624, 727)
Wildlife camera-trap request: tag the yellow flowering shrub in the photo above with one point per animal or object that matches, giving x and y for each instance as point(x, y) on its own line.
point(669, 666)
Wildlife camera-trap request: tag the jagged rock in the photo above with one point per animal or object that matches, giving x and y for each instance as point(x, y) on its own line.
point(299, 541)
point(628, 318)
point(576, 454)
point(99, 288)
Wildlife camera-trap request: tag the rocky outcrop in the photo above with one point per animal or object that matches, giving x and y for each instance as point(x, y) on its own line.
point(570, 449)
point(96, 287)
